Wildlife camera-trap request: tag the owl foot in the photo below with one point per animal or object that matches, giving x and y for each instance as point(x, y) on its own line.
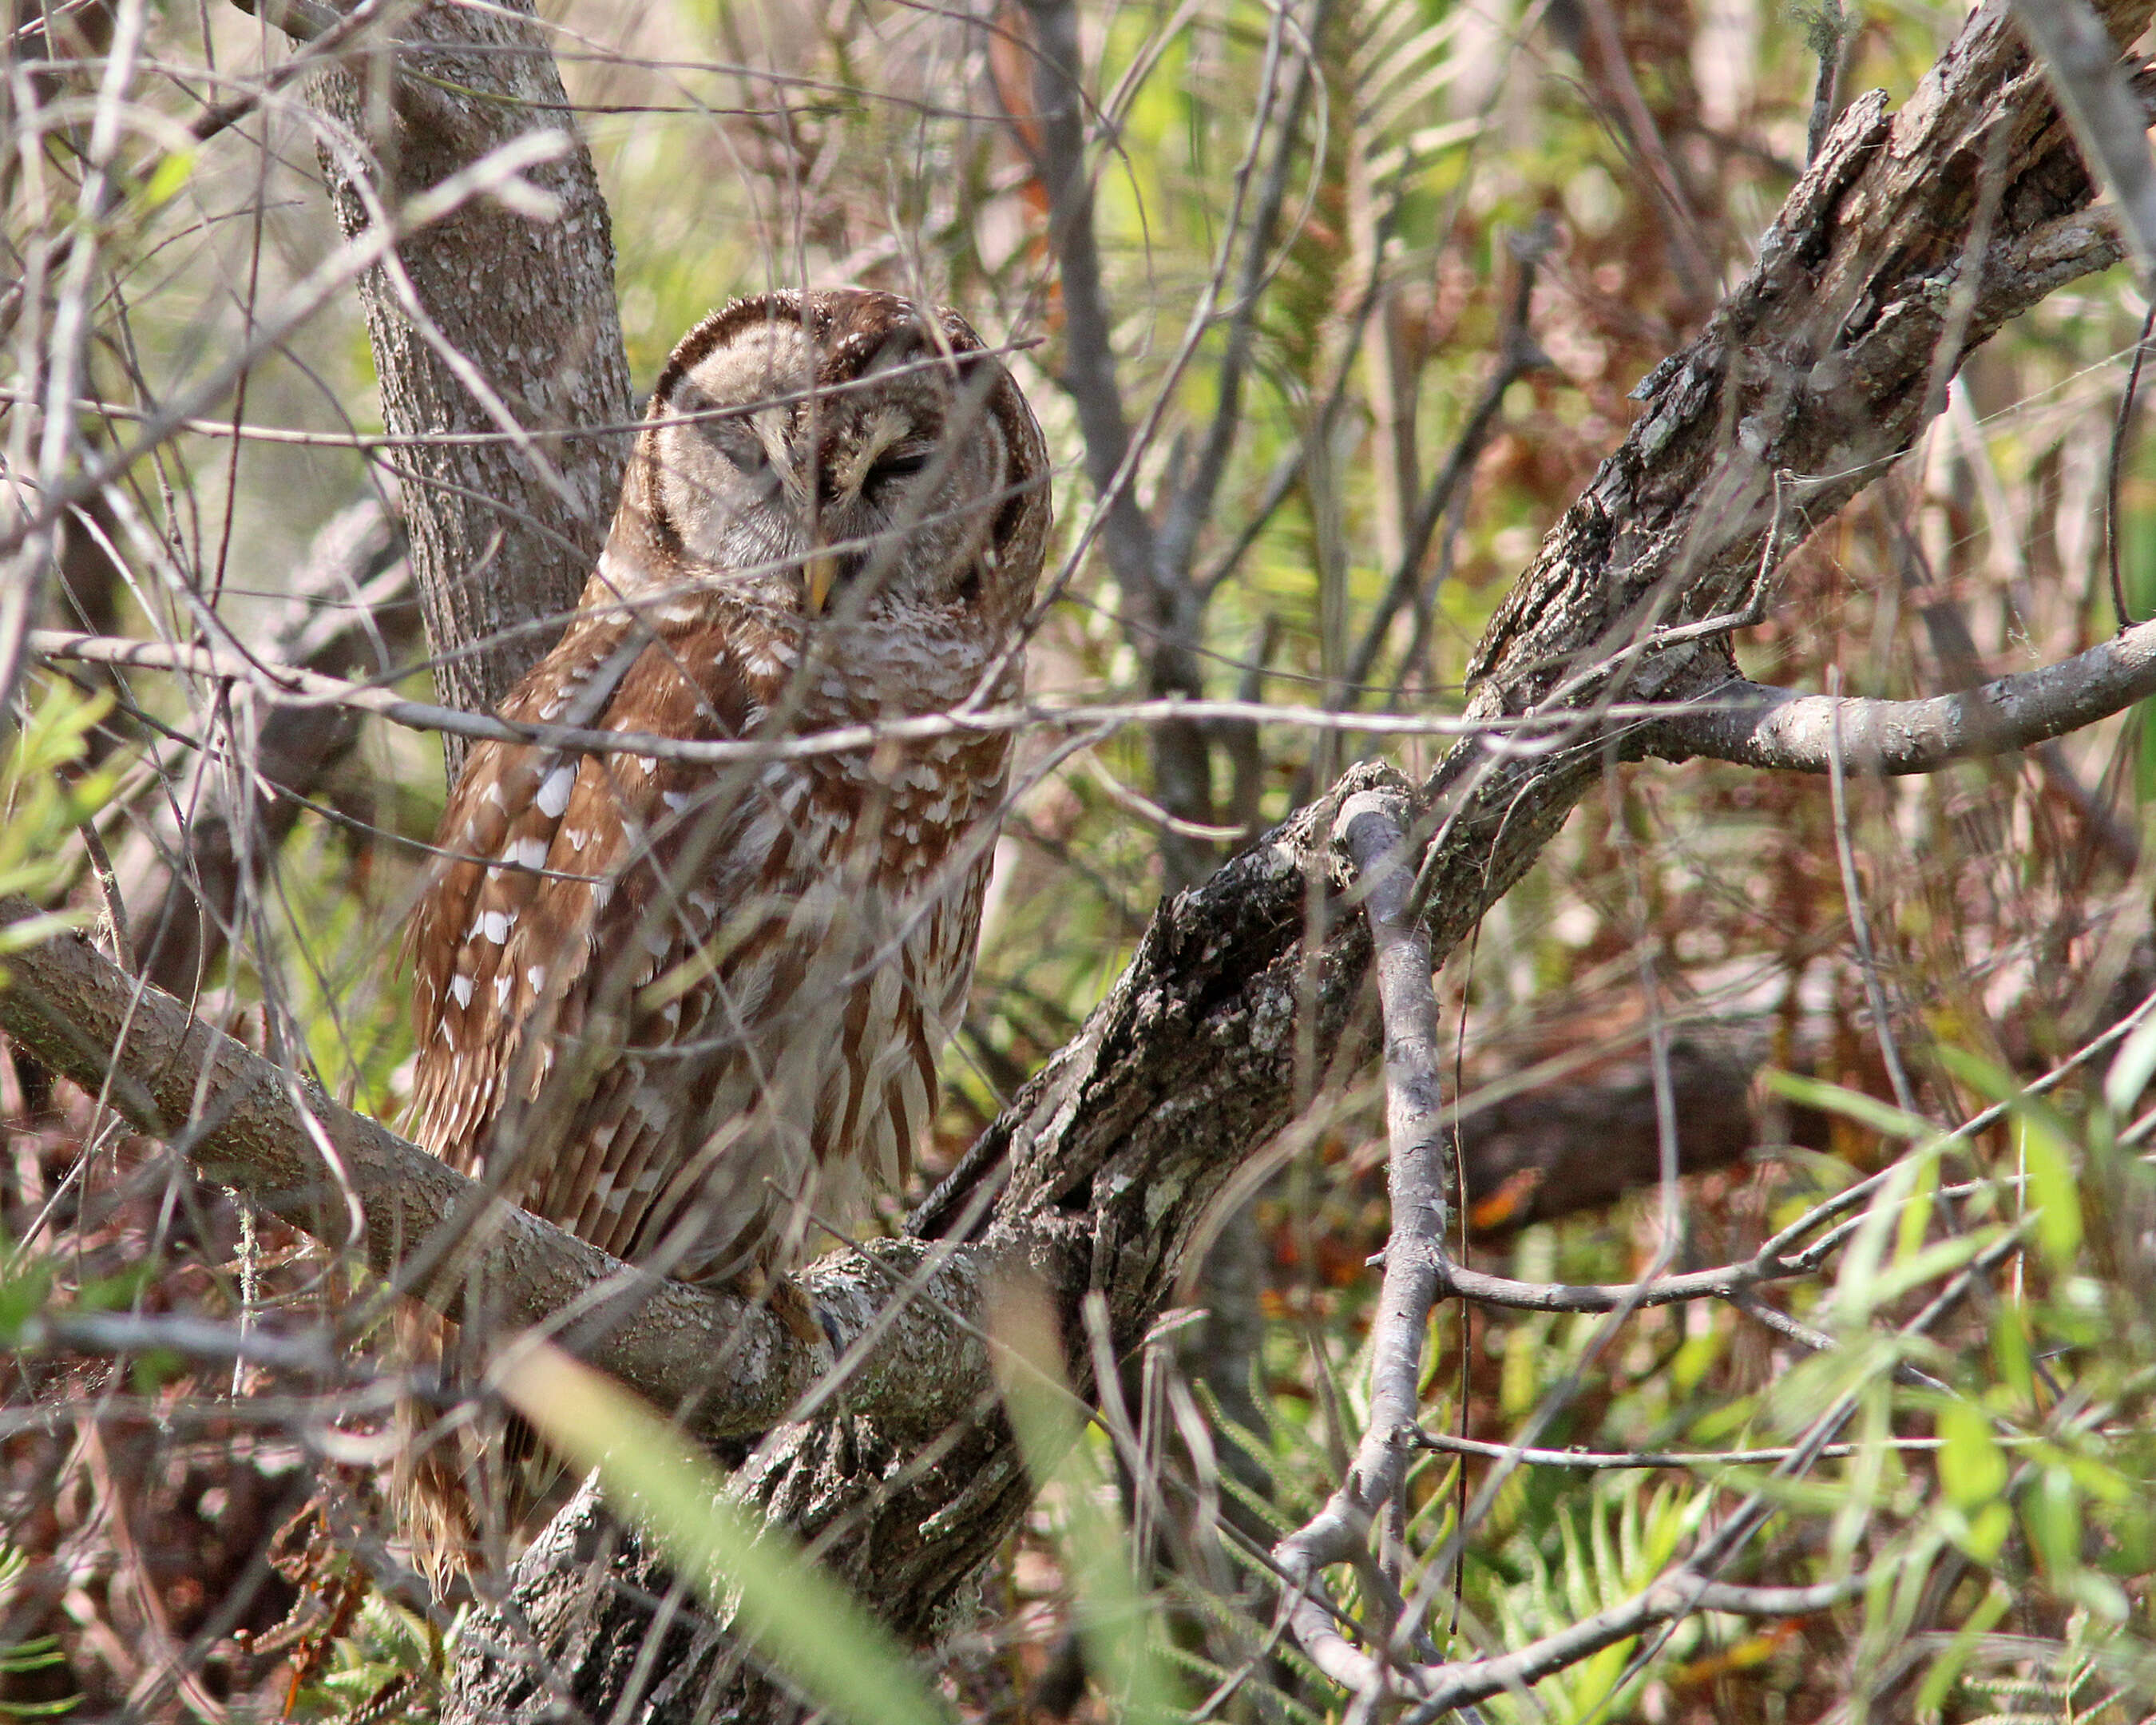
point(795, 1309)
point(791, 1307)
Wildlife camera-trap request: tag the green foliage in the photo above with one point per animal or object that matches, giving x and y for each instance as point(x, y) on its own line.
point(385, 1669)
point(1610, 1541)
point(30, 1657)
point(804, 1622)
point(44, 799)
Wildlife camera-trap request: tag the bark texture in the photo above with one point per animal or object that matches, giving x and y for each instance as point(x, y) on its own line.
point(500, 547)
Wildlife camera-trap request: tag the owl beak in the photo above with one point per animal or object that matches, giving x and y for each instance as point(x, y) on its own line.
point(819, 572)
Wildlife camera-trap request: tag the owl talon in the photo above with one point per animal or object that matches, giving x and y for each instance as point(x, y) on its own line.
point(801, 1315)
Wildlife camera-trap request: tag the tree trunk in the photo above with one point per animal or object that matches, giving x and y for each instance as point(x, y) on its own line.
point(500, 544)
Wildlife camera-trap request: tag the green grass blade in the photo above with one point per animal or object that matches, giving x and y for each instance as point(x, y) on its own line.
point(803, 1623)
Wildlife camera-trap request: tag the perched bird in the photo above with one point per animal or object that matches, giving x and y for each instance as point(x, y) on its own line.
point(679, 1007)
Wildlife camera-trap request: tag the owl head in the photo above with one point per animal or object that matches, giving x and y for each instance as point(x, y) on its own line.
point(844, 455)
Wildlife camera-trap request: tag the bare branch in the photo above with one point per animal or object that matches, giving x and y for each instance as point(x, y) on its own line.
point(297, 683)
point(1760, 727)
point(1089, 363)
point(1617, 1461)
point(1678, 1593)
point(1687, 245)
point(508, 171)
point(1161, 605)
point(1192, 507)
point(1723, 1284)
point(1374, 830)
point(248, 1124)
point(1785, 406)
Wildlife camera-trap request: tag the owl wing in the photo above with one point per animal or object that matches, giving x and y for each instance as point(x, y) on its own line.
point(555, 866)
point(693, 892)
point(678, 994)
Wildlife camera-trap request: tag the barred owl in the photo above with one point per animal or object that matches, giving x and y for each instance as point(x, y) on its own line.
point(679, 1008)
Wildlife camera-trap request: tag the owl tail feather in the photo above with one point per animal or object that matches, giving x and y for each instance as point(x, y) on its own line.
point(464, 1486)
point(427, 1487)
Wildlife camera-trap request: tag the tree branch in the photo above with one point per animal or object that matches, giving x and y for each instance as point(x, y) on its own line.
point(1621, 1460)
point(1678, 1593)
point(1757, 725)
point(251, 1125)
point(297, 682)
point(1161, 603)
point(1374, 831)
point(1191, 508)
point(1813, 375)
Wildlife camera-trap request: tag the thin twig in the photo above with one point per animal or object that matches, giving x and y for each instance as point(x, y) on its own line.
point(1826, 29)
point(108, 887)
point(2119, 432)
point(1610, 1462)
point(1136, 803)
point(1516, 356)
point(1860, 925)
point(1192, 507)
point(500, 175)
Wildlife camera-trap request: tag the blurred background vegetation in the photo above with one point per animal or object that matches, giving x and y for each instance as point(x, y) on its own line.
point(1529, 202)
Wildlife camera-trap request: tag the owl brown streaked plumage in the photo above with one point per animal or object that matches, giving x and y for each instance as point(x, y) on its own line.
point(677, 1008)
